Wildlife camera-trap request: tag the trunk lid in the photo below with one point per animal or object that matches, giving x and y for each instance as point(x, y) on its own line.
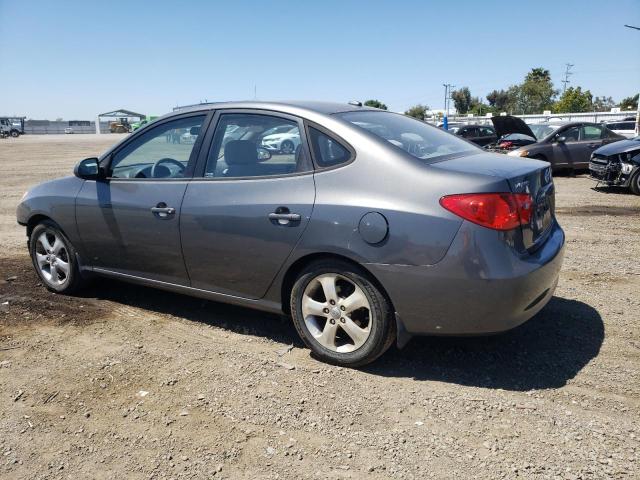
point(523, 175)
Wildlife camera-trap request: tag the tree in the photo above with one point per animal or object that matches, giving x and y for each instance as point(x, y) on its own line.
point(502, 100)
point(574, 100)
point(462, 99)
point(629, 103)
point(375, 104)
point(536, 93)
point(418, 111)
point(603, 104)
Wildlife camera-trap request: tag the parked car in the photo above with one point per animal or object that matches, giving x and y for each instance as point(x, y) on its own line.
point(479, 134)
point(68, 130)
point(624, 128)
point(618, 164)
point(286, 141)
point(364, 240)
point(565, 146)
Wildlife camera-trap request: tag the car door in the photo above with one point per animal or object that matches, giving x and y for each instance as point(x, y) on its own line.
point(248, 204)
point(129, 222)
point(566, 150)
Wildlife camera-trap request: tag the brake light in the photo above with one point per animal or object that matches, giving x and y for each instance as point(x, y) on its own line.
point(498, 211)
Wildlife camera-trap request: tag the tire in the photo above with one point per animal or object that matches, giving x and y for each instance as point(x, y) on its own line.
point(48, 261)
point(634, 184)
point(15, 133)
point(356, 328)
point(287, 147)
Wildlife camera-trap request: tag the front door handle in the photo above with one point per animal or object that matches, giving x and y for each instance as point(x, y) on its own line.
point(162, 211)
point(282, 216)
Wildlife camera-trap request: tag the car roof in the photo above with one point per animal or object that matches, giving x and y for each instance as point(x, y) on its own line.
point(323, 108)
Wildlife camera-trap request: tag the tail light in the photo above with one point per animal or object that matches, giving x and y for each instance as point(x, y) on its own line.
point(505, 144)
point(498, 211)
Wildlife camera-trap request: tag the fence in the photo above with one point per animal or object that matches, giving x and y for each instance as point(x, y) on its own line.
point(595, 117)
point(42, 127)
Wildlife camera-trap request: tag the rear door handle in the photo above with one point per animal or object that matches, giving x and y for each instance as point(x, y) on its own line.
point(161, 210)
point(282, 216)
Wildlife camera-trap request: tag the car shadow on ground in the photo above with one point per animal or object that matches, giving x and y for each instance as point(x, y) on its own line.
point(546, 352)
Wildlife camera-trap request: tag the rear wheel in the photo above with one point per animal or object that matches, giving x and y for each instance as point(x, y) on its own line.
point(15, 133)
point(54, 258)
point(635, 182)
point(341, 315)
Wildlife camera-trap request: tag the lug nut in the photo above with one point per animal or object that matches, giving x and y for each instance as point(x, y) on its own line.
point(332, 302)
point(325, 310)
point(342, 319)
point(332, 321)
point(342, 308)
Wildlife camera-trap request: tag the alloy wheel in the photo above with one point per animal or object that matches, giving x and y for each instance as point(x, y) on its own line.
point(336, 312)
point(52, 258)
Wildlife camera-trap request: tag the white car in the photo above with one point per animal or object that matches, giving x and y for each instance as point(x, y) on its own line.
point(626, 128)
point(284, 142)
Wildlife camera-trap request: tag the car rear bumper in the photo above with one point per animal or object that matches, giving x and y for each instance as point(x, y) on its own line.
point(482, 286)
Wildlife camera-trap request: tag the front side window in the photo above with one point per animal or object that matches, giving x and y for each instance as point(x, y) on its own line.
point(570, 134)
point(422, 141)
point(255, 145)
point(162, 152)
point(486, 132)
point(591, 132)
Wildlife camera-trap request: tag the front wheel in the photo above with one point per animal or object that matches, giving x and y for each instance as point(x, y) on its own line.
point(287, 147)
point(341, 315)
point(54, 258)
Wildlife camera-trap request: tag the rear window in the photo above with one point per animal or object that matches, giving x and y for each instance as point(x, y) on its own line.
point(417, 138)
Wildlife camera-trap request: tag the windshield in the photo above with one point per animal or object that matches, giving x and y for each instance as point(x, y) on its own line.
point(541, 130)
point(417, 138)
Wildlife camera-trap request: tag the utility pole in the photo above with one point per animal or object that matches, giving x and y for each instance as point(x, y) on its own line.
point(447, 96)
point(567, 74)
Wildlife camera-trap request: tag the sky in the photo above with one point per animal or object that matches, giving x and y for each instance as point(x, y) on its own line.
point(75, 59)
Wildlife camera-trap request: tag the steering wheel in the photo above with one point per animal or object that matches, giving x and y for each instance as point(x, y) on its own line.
point(158, 172)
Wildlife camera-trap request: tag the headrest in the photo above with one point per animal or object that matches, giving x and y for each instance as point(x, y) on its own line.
point(240, 152)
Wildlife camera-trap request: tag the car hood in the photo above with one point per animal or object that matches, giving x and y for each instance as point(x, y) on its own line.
point(507, 124)
point(622, 146)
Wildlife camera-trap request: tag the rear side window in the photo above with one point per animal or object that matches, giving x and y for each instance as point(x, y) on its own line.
point(327, 151)
point(591, 132)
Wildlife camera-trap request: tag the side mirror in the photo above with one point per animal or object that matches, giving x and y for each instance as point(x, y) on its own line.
point(263, 154)
point(87, 169)
point(561, 139)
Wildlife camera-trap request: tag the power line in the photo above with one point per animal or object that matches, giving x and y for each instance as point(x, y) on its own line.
point(567, 74)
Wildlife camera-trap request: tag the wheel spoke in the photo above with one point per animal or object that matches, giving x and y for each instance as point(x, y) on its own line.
point(44, 241)
point(55, 278)
point(355, 301)
point(357, 334)
point(328, 283)
point(57, 245)
point(41, 259)
point(312, 307)
point(63, 267)
point(328, 336)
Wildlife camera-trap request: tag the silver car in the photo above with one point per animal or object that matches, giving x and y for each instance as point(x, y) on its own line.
point(378, 227)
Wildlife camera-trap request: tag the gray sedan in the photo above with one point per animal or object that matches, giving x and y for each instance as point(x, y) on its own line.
point(376, 227)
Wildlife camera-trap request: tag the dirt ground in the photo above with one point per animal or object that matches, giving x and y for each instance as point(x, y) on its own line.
point(128, 382)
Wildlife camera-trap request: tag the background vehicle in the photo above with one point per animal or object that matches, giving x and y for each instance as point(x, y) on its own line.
point(479, 134)
point(618, 164)
point(136, 125)
point(68, 130)
point(285, 142)
point(120, 126)
point(366, 234)
point(11, 126)
point(567, 145)
point(625, 128)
